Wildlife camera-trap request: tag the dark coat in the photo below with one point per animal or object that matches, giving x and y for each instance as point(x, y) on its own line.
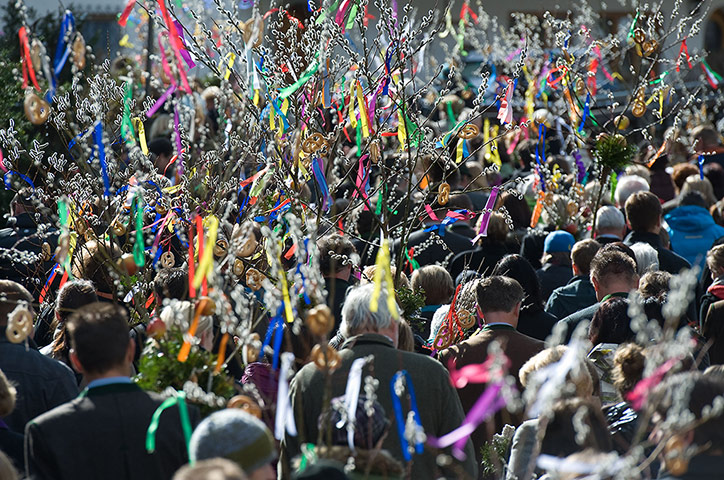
point(439, 406)
point(458, 238)
point(668, 260)
point(481, 259)
point(518, 347)
point(713, 331)
point(102, 434)
point(701, 467)
point(571, 298)
point(551, 277)
point(336, 293)
point(572, 321)
point(535, 322)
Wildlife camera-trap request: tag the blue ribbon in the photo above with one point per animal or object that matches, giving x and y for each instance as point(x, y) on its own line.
point(586, 110)
point(701, 167)
point(9, 186)
point(62, 51)
point(540, 151)
point(319, 175)
point(98, 137)
point(400, 417)
point(276, 328)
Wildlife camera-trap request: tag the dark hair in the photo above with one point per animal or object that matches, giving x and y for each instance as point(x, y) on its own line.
point(171, 283)
point(517, 208)
point(582, 254)
point(563, 436)
point(519, 269)
point(643, 211)
point(692, 197)
point(161, 146)
point(681, 172)
point(623, 248)
point(329, 248)
point(72, 296)
point(498, 294)
point(99, 335)
point(700, 391)
point(611, 323)
point(611, 263)
point(11, 293)
point(715, 174)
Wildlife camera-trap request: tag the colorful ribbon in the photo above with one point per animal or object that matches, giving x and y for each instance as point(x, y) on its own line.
point(178, 399)
point(400, 417)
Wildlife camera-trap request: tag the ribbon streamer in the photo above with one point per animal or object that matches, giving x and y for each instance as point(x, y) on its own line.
point(98, 137)
point(284, 419)
point(62, 51)
point(322, 182)
point(683, 49)
point(351, 397)
point(700, 161)
point(505, 113)
point(178, 399)
point(126, 13)
point(384, 272)
point(489, 206)
point(26, 60)
point(206, 263)
point(160, 101)
point(399, 416)
point(139, 255)
point(138, 124)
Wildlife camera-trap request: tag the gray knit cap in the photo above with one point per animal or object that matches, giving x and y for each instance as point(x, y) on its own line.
point(236, 435)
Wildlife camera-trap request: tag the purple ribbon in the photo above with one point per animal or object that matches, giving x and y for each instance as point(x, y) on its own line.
point(160, 101)
point(184, 51)
point(489, 206)
point(178, 141)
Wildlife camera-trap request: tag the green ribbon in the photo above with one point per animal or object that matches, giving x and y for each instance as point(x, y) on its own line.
point(352, 15)
point(309, 456)
point(321, 17)
point(633, 25)
point(415, 264)
point(139, 251)
point(614, 182)
point(308, 73)
point(180, 400)
point(127, 131)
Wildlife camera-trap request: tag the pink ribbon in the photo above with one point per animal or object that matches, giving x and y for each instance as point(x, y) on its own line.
point(505, 114)
point(473, 373)
point(184, 51)
point(637, 397)
point(430, 212)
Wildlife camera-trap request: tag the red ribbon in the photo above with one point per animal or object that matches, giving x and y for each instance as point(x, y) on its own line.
point(683, 49)
point(126, 13)
point(466, 9)
point(26, 60)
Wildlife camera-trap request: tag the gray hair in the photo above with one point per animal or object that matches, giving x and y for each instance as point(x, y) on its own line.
point(628, 185)
point(610, 218)
point(647, 258)
point(356, 313)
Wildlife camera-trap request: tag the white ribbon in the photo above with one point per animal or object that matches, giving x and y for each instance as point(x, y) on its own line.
point(285, 416)
point(351, 397)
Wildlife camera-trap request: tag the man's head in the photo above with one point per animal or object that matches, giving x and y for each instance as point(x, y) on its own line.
point(100, 341)
point(643, 212)
point(358, 318)
point(436, 282)
point(12, 294)
point(171, 283)
point(610, 221)
point(715, 261)
point(681, 172)
point(582, 254)
point(72, 296)
point(557, 248)
point(335, 254)
point(499, 299)
point(704, 138)
point(612, 272)
point(627, 186)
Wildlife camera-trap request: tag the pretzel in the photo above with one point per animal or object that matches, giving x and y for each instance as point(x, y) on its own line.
point(168, 260)
point(37, 110)
point(46, 251)
point(314, 143)
point(238, 267)
point(320, 321)
point(650, 46)
point(254, 27)
point(20, 325)
point(580, 87)
point(221, 247)
point(638, 109)
point(79, 51)
point(249, 246)
point(245, 403)
point(443, 339)
point(36, 54)
point(468, 131)
point(375, 151)
point(639, 36)
point(466, 319)
point(325, 358)
point(571, 208)
point(119, 229)
point(254, 278)
point(443, 193)
point(206, 306)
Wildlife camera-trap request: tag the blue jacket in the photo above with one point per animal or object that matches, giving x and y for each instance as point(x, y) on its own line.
point(693, 231)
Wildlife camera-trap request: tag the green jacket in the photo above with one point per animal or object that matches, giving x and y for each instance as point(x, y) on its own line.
point(437, 402)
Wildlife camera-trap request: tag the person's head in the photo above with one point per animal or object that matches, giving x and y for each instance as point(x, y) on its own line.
point(694, 183)
point(162, 150)
point(336, 256)
point(612, 272)
point(647, 258)
point(654, 284)
point(704, 138)
point(358, 318)
point(557, 248)
point(7, 396)
point(714, 260)
point(517, 208)
point(94, 261)
point(680, 402)
point(582, 254)
point(610, 221)
point(73, 295)
point(171, 283)
point(611, 323)
point(237, 436)
point(575, 424)
point(715, 174)
point(643, 212)
point(436, 282)
point(99, 340)
point(497, 228)
point(499, 299)
point(579, 382)
point(520, 270)
point(681, 172)
point(628, 367)
point(627, 186)
point(212, 469)
point(12, 294)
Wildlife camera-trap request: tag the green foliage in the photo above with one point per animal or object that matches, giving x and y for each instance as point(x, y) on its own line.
point(159, 368)
point(410, 302)
point(495, 451)
point(613, 152)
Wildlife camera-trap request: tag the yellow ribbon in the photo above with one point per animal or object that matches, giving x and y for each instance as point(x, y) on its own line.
point(352, 116)
point(285, 291)
point(363, 111)
point(459, 151)
point(401, 129)
point(231, 56)
point(206, 264)
point(494, 152)
point(138, 125)
point(383, 271)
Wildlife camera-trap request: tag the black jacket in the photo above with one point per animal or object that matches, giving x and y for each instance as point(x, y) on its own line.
point(481, 259)
point(668, 260)
point(458, 238)
point(102, 434)
point(571, 298)
point(551, 277)
point(535, 322)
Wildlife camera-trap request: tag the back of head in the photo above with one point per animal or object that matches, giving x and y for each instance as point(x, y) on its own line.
point(681, 172)
point(517, 208)
point(575, 424)
point(93, 261)
point(357, 316)
point(579, 376)
point(643, 211)
point(692, 198)
point(714, 260)
point(335, 254)
point(654, 284)
point(609, 266)
point(627, 186)
point(610, 219)
point(436, 282)
point(582, 254)
point(611, 323)
point(497, 228)
point(498, 294)
point(73, 295)
point(701, 185)
point(99, 335)
point(171, 283)
point(12, 294)
point(235, 435)
point(213, 469)
point(704, 136)
point(628, 367)
point(520, 270)
point(647, 258)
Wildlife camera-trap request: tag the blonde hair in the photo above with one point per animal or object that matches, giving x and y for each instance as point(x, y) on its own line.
point(7, 471)
point(701, 185)
point(7, 396)
point(437, 283)
point(579, 377)
point(715, 259)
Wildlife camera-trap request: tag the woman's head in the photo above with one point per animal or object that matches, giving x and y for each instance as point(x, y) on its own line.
point(520, 269)
point(611, 323)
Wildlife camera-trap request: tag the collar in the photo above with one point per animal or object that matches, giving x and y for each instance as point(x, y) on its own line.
point(367, 339)
point(652, 239)
point(108, 381)
point(615, 294)
point(608, 235)
point(430, 308)
point(498, 326)
point(110, 388)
